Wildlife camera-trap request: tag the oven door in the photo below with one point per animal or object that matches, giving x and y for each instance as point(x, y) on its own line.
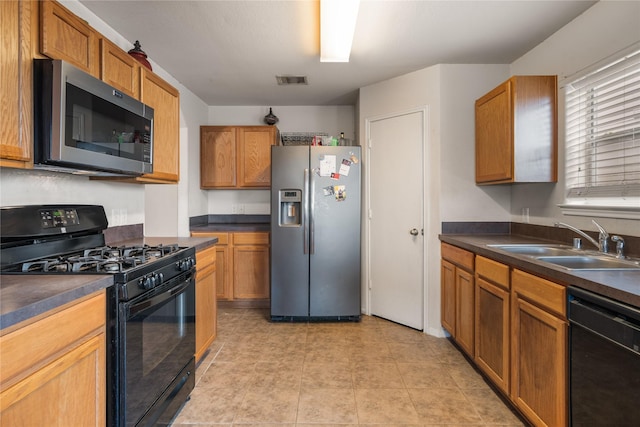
point(157, 345)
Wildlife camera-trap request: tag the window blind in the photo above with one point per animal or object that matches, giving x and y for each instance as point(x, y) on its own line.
point(603, 131)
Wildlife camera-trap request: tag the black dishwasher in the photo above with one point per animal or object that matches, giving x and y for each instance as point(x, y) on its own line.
point(605, 361)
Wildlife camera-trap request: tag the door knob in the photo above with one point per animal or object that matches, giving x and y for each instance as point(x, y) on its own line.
point(413, 231)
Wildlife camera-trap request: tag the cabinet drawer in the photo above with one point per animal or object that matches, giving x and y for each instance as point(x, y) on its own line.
point(458, 256)
point(493, 271)
point(223, 238)
point(205, 257)
point(27, 349)
point(543, 293)
point(251, 238)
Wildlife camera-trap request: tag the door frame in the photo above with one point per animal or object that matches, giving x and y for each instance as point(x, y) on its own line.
point(426, 155)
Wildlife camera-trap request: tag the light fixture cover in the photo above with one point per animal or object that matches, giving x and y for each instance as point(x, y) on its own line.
point(337, 26)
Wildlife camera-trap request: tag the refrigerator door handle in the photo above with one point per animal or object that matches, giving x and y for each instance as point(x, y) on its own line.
point(305, 217)
point(312, 202)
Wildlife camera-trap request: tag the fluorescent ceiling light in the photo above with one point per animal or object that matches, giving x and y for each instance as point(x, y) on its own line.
point(337, 25)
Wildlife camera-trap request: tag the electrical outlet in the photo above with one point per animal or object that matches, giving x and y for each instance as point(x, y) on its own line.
point(234, 209)
point(241, 209)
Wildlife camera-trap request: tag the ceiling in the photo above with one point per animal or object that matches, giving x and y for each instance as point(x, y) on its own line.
point(229, 52)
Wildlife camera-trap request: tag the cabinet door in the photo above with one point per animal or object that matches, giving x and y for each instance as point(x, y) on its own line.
point(165, 101)
point(15, 85)
point(492, 332)
point(119, 69)
point(494, 135)
point(65, 36)
point(68, 392)
point(465, 309)
point(448, 297)
point(539, 364)
point(254, 156)
point(205, 300)
point(251, 272)
point(217, 156)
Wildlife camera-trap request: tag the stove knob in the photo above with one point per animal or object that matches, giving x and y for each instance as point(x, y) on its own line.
point(145, 283)
point(183, 265)
point(192, 262)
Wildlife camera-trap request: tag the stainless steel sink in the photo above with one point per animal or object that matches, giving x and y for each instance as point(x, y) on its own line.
point(535, 249)
point(590, 262)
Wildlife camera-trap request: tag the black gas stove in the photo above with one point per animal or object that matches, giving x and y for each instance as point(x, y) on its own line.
point(68, 239)
point(150, 307)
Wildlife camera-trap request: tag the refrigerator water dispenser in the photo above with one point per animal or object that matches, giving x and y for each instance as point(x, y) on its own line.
point(290, 205)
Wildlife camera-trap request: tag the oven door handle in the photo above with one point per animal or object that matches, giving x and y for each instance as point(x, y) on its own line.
point(146, 303)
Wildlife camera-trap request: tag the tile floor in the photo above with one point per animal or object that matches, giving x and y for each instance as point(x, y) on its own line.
point(348, 374)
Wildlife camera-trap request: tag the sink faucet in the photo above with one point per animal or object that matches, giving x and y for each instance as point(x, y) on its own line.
point(603, 237)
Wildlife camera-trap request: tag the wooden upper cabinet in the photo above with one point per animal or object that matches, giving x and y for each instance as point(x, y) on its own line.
point(16, 116)
point(65, 36)
point(165, 101)
point(517, 132)
point(119, 69)
point(254, 156)
point(236, 156)
point(217, 156)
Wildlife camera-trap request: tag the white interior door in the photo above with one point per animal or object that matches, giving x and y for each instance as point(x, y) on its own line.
point(396, 206)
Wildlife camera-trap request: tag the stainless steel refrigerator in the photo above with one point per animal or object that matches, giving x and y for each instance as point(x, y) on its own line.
point(315, 233)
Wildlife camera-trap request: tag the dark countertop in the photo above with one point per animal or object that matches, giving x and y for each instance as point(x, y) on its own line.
point(209, 228)
point(230, 223)
point(23, 296)
point(620, 285)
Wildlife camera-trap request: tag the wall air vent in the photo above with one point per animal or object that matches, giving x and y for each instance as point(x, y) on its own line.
point(292, 80)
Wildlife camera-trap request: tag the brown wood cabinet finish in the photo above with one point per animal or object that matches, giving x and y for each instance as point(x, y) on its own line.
point(492, 343)
point(65, 36)
point(63, 375)
point(539, 354)
point(165, 101)
point(206, 310)
point(119, 69)
point(236, 157)
point(458, 295)
point(242, 265)
point(16, 116)
point(516, 131)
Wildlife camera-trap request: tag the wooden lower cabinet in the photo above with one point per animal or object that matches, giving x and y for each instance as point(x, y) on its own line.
point(520, 331)
point(492, 337)
point(539, 349)
point(242, 265)
point(206, 310)
point(458, 295)
point(53, 371)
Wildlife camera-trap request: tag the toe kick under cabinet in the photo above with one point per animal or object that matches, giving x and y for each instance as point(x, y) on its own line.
point(242, 273)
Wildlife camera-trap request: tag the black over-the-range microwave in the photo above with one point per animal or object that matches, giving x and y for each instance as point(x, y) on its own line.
point(84, 126)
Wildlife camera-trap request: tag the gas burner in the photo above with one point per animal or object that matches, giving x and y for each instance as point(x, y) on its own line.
point(80, 264)
point(47, 265)
point(104, 252)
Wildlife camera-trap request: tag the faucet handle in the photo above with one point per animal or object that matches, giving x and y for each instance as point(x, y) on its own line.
point(603, 237)
point(619, 246)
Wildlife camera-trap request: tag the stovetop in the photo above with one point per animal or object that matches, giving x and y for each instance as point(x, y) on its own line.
point(69, 239)
point(101, 260)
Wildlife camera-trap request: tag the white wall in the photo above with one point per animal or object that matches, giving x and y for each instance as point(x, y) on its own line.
point(330, 119)
point(448, 92)
point(164, 209)
point(601, 31)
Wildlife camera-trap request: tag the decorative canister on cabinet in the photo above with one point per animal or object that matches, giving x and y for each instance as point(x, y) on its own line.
point(140, 55)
